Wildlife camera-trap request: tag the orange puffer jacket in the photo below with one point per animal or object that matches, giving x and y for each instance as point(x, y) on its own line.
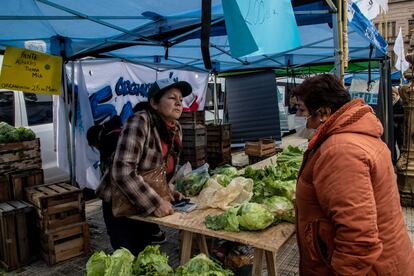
point(349, 218)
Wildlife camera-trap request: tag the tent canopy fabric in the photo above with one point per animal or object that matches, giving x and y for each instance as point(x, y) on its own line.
point(166, 33)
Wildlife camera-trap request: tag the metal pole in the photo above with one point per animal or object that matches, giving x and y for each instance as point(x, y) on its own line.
point(337, 47)
point(345, 34)
point(72, 122)
point(67, 126)
point(216, 115)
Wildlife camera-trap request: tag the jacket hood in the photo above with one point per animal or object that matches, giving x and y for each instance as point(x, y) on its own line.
point(353, 117)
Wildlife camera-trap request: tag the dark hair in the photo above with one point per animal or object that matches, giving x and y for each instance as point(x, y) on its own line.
point(322, 90)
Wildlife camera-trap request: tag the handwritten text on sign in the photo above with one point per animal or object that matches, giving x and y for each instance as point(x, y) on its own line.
point(31, 71)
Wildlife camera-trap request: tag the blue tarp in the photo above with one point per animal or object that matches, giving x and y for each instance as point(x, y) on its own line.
point(75, 29)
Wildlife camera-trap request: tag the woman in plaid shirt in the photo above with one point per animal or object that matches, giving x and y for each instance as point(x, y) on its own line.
point(149, 139)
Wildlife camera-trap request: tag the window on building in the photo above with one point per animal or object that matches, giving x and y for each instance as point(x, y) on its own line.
point(7, 107)
point(410, 27)
point(39, 108)
point(387, 29)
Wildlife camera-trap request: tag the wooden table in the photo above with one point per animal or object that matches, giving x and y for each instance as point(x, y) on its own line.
point(266, 243)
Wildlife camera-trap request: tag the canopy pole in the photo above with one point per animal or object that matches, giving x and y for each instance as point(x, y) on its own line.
point(337, 37)
point(67, 125)
point(345, 33)
point(72, 122)
point(215, 98)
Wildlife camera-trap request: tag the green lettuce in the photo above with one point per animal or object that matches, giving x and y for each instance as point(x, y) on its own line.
point(246, 216)
point(121, 264)
point(97, 264)
point(201, 265)
point(254, 216)
point(281, 207)
point(227, 170)
point(192, 183)
point(222, 179)
point(151, 261)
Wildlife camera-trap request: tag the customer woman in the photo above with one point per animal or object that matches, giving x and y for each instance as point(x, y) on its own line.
point(348, 214)
point(150, 138)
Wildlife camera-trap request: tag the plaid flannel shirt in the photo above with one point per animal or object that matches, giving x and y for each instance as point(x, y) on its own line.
point(139, 149)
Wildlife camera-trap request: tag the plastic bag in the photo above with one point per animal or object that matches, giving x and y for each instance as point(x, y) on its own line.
point(214, 195)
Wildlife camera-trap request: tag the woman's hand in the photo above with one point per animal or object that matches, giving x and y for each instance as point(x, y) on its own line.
point(178, 196)
point(164, 209)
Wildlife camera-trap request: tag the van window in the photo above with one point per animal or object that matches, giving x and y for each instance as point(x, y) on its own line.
point(39, 108)
point(7, 107)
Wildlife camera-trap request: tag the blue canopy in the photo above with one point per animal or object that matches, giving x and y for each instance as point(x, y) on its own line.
point(166, 33)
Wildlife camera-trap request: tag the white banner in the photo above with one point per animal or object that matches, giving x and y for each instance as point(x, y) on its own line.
point(108, 88)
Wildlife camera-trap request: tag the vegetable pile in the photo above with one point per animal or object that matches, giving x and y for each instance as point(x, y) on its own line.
point(149, 262)
point(9, 134)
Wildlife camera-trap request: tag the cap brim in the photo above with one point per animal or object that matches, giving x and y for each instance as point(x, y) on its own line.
point(183, 86)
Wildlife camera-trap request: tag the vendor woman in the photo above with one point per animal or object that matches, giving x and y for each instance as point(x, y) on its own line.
point(149, 139)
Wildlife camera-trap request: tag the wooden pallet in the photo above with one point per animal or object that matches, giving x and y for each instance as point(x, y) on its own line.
point(20, 156)
point(4, 188)
point(20, 180)
point(191, 117)
point(262, 148)
point(16, 240)
point(65, 243)
point(56, 205)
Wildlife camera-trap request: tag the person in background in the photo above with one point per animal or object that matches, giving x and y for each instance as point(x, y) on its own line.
point(348, 215)
point(149, 139)
point(398, 119)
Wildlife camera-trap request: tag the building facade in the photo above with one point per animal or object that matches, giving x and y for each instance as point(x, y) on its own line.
point(400, 14)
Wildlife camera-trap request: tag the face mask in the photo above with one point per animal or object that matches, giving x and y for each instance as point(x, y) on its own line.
point(301, 129)
point(306, 133)
point(300, 121)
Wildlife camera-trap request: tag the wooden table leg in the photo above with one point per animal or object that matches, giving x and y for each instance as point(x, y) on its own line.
point(271, 263)
point(258, 262)
point(186, 246)
point(202, 244)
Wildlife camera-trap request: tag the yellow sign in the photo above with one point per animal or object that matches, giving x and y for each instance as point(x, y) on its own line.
point(31, 71)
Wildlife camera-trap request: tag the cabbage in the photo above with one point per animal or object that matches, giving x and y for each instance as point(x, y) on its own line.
point(281, 207)
point(97, 264)
point(201, 265)
point(121, 264)
point(254, 216)
point(151, 261)
point(227, 170)
point(246, 216)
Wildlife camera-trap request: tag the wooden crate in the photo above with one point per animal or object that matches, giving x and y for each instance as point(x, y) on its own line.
point(20, 180)
point(20, 156)
point(265, 147)
point(56, 205)
point(218, 133)
point(4, 188)
point(256, 159)
point(194, 136)
point(193, 117)
point(64, 243)
point(16, 234)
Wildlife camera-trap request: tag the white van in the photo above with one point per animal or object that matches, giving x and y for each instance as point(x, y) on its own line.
point(34, 111)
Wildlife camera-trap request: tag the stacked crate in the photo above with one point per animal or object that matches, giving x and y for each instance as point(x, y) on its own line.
point(259, 150)
point(218, 145)
point(194, 138)
point(20, 167)
point(60, 220)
